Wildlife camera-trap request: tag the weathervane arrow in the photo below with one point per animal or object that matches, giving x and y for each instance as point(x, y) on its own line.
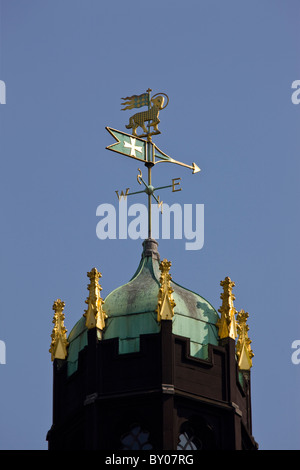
point(137, 148)
point(165, 158)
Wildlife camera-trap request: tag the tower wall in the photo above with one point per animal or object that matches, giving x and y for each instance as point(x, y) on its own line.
point(162, 391)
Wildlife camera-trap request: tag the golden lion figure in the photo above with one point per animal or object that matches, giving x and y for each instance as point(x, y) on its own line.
point(139, 119)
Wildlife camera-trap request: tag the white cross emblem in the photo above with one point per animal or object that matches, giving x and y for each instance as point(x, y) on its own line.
point(134, 148)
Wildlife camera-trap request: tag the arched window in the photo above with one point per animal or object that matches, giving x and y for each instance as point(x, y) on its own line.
point(188, 440)
point(136, 439)
point(196, 434)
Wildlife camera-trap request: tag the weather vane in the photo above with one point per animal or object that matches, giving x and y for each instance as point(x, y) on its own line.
point(144, 150)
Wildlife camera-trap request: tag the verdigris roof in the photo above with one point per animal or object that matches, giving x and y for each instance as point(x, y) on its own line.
point(131, 312)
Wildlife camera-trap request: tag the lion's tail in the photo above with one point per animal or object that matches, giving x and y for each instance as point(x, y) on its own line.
point(130, 125)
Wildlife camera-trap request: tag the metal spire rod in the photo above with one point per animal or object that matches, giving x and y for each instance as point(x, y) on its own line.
point(149, 165)
point(149, 203)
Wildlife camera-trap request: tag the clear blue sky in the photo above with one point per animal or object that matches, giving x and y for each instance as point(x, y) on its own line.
point(227, 68)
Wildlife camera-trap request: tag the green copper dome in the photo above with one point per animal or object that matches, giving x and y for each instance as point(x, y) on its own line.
point(131, 312)
point(131, 309)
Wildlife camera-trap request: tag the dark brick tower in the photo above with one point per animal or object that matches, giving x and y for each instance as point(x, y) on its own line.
point(152, 366)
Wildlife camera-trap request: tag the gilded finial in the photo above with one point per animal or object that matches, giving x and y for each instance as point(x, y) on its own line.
point(166, 304)
point(243, 349)
point(59, 343)
point(227, 322)
point(95, 315)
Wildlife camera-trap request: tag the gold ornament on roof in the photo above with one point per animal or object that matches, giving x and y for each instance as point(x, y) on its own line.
point(155, 105)
point(95, 315)
point(166, 304)
point(59, 343)
point(243, 349)
point(227, 322)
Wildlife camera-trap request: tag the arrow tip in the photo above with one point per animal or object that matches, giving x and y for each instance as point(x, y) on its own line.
point(195, 168)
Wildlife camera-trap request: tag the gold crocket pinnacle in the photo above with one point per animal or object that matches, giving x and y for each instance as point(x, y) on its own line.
point(59, 343)
point(243, 349)
point(166, 303)
point(95, 315)
point(227, 322)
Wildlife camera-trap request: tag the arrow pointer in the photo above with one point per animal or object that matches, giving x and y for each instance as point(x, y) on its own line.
point(193, 167)
point(166, 158)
